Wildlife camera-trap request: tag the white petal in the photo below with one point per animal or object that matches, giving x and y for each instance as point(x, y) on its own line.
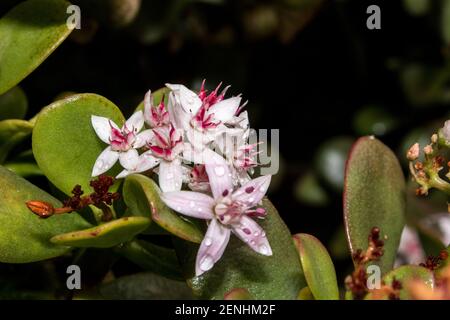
point(252, 234)
point(220, 178)
point(198, 139)
point(212, 247)
point(200, 156)
point(135, 122)
point(124, 173)
point(253, 191)
point(142, 138)
point(129, 159)
point(192, 204)
point(188, 99)
point(102, 127)
point(146, 161)
point(170, 175)
point(178, 117)
point(105, 161)
point(225, 109)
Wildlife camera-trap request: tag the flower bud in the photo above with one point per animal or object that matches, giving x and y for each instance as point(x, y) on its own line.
point(41, 208)
point(413, 152)
point(428, 149)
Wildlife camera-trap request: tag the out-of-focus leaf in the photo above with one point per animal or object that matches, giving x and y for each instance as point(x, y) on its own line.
point(445, 20)
point(29, 33)
point(373, 120)
point(279, 276)
point(309, 191)
point(374, 196)
point(317, 266)
point(305, 294)
point(105, 235)
point(24, 237)
point(145, 286)
point(338, 245)
point(330, 161)
point(417, 7)
point(150, 257)
point(64, 143)
point(24, 169)
point(13, 104)
point(12, 132)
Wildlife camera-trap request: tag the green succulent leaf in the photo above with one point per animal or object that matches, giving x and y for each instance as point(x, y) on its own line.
point(64, 143)
point(13, 104)
point(105, 235)
point(154, 258)
point(24, 169)
point(317, 266)
point(374, 196)
point(141, 194)
point(24, 237)
point(404, 274)
point(12, 132)
point(238, 294)
point(29, 33)
point(279, 276)
point(305, 294)
point(145, 286)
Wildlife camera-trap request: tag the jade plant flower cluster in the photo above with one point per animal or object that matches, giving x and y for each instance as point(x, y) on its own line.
point(200, 140)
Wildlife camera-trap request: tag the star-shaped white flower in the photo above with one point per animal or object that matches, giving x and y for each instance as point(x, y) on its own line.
point(227, 211)
point(122, 142)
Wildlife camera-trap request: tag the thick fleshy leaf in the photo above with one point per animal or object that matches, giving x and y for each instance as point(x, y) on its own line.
point(150, 257)
point(142, 196)
point(305, 294)
point(105, 235)
point(374, 196)
point(238, 294)
point(317, 266)
point(12, 132)
point(145, 286)
point(279, 276)
point(24, 169)
point(64, 143)
point(404, 274)
point(29, 33)
point(13, 104)
point(24, 237)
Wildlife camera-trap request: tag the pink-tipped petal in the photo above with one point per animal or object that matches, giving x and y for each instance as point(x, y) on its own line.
point(253, 191)
point(192, 204)
point(135, 122)
point(129, 159)
point(170, 175)
point(102, 127)
point(212, 247)
point(188, 99)
point(105, 161)
point(253, 235)
point(225, 109)
point(220, 178)
point(143, 138)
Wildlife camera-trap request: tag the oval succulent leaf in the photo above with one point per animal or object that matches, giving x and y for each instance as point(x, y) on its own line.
point(13, 104)
point(141, 194)
point(317, 266)
point(279, 276)
point(29, 33)
point(24, 237)
point(374, 196)
point(105, 235)
point(65, 144)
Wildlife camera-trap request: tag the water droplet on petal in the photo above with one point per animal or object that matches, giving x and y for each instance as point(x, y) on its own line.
point(178, 208)
point(263, 249)
point(263, 234)
point(206, 263)
point(251, 199)
point(256, 234)
point(262, 189)
point(208, 242)
point(252, 242)
point(199, 209)
point(192, 204)
point(220, 171)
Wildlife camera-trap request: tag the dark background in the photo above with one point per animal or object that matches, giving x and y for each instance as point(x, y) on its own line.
point(311, 85)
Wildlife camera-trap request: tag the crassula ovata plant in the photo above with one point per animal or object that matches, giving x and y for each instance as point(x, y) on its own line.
point(177, 190)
